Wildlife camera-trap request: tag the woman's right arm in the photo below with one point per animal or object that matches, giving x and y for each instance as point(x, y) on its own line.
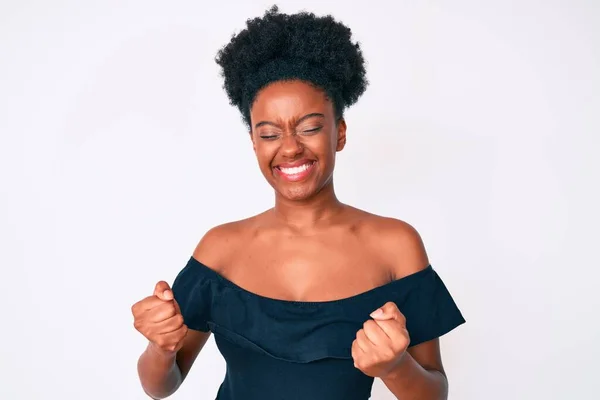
point(162, 372)
point(172, 347)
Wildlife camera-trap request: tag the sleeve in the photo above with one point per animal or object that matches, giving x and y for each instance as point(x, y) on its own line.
point(193, 296)
point(430, 310)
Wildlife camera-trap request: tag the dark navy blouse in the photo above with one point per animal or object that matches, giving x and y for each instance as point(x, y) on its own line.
point(289, 350)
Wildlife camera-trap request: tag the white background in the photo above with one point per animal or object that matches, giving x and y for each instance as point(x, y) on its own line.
point(118, 150)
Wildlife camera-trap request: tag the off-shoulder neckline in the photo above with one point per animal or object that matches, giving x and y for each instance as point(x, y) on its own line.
point(378, 289)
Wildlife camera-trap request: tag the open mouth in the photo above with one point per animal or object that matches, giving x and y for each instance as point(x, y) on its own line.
point(295, 173)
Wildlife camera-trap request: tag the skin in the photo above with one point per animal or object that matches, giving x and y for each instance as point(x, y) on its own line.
point(309, 247)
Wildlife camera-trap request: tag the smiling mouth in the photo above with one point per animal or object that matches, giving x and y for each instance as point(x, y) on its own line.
point(297, 173)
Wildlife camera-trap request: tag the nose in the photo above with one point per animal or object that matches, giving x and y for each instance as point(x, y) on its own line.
point(291, 146)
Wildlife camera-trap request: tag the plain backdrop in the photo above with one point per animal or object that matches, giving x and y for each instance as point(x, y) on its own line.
point(118, 150)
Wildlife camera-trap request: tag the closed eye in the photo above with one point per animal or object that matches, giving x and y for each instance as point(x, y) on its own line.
point(268, 137)
point(313, 130)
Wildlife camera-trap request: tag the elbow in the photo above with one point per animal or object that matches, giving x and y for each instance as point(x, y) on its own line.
point(154, 394)
point(441, 382)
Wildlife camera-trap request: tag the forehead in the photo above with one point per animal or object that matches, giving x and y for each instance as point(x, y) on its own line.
point(288, 100)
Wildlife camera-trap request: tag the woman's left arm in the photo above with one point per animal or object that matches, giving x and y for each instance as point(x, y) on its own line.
point(380, 350)
point(414, 372)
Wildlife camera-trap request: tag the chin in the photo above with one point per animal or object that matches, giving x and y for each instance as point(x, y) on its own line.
point(297, 194)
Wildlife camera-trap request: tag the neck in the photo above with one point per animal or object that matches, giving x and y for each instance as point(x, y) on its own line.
point(309, 213)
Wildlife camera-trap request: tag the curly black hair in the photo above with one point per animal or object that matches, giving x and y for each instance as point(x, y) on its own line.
point(276, 46)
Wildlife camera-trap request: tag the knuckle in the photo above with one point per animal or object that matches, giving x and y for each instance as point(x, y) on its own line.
point(161, 311)
point(401, 346)
point(178, 319)
point(137, 324)
point(171, 347)
point(405, 343)
point(388, 354)
point(167, 310)
point(138, 308)
point(184, 330)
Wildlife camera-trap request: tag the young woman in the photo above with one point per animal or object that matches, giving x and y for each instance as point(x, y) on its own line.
point(311, 299)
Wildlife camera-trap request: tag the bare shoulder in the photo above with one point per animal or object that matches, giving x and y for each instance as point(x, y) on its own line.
point(397, 242)
point(221, 241)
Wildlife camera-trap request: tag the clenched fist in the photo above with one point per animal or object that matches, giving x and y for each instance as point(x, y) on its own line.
point(381, 344)
point(159, 319)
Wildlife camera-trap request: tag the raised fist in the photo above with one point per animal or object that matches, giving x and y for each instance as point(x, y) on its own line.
point(159, 319)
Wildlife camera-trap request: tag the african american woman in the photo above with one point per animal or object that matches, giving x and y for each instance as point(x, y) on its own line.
point(313, 298)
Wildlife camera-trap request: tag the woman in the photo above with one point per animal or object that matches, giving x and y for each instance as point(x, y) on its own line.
point(311, 299)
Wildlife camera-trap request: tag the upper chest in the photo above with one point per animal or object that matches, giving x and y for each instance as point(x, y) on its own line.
point(323, 266)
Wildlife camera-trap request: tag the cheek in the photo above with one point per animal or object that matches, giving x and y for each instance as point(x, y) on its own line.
point(264, 154)
point(324, 148)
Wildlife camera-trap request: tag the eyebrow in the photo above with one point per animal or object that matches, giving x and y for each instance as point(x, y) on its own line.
point(307, 116)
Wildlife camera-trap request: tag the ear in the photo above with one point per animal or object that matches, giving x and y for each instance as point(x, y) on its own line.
point(341, 135)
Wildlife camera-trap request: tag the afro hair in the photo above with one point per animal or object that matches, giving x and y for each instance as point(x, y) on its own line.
point(302, 46)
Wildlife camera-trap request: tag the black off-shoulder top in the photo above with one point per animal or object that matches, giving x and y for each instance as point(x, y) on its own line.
point(289, 350)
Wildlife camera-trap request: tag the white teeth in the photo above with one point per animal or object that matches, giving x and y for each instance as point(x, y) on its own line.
point(295, 170)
